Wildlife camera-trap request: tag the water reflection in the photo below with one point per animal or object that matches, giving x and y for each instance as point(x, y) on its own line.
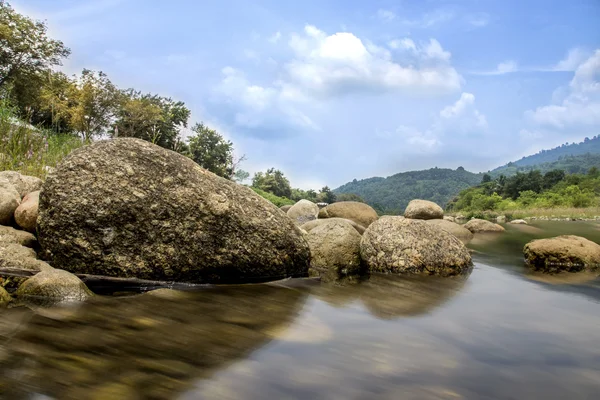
point(148, 346)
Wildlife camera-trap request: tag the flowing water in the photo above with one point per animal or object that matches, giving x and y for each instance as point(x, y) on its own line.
point(498, 333)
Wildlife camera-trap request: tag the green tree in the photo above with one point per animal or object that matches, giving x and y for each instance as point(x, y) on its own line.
point(240, 176)
point(151, 117)
point(349, 197)
point(95, 103)
point(486, 178)
point(326, 195)
point(25, 48)
point(211, 151)
point(273, 181)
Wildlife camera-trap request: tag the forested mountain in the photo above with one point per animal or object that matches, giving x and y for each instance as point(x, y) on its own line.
point(588, 145)
point(577, 164)
point(391, 195)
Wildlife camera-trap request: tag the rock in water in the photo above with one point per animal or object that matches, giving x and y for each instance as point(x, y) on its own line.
point(27, 212)
point(335, 246)
point(403, 245)
point(477, 225)
point(303, 211)
point(423, 209)
point(518, 222)
point(361, 213)
point(566, 253)
point(457, 230)
point(128, 208)
point(54, 285)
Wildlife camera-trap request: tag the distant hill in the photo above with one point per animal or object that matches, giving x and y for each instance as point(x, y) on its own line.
point(591, 146)
point(578, 164)
point(391, 195)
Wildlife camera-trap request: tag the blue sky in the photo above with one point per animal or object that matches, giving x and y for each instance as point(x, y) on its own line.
point(329, 91)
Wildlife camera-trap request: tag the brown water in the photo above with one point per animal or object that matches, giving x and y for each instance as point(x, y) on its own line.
point(496, 334)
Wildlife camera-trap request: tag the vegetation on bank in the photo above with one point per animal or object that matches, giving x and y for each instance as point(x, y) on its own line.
point(530, 193)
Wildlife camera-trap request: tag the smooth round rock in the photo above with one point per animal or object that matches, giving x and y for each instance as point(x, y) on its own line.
point(128, 208)
point(335, 245)
point(54, 284)
point(9, 201)
point(361, 213)
point(566, 253)
point(423, 209)
point(477, 225)
point(24, 184)
point(27, 212)
point(518, 222)
point(303, 211)
point(318, 222)
point(457, 230)
point(402, 245)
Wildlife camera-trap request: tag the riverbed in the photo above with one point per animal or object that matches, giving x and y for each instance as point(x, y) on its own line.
point(498, 333)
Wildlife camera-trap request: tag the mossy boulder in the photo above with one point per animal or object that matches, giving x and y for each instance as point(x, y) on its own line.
point(412, 246)
point(128, 208)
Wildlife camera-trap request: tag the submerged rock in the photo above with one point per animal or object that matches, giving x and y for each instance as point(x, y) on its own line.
point(457, 230)
point(477, 225)
point(129, 208)
point(423, 209)
point(27, 212)
point(403, 245)
point(318, 222)
point(9, 201)
point(335, 246)
point(361, 213)
point(567, 253)
point(53, 285)
point(303, 211)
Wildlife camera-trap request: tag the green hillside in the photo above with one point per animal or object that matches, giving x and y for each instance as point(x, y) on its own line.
point(391, 195)
point(578, 164)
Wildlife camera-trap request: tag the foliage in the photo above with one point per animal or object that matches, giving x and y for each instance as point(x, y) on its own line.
point(240, 176)
point(25, 49)
point(151, 117)
point(273, 181)
point(349, 197)
point(278, 201)
point(211, 151)
point(29, 150)
point(326, 195)
point(299, 194)
point(531, 191)
point(391, 195)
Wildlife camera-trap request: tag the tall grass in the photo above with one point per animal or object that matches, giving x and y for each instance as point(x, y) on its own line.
point(29, 150)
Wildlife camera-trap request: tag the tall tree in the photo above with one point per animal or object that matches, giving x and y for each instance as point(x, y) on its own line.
point(326, 195)
point(25, 47)
point(211, 151)
point(151, 117)
point(95, 103)
point(273, 181)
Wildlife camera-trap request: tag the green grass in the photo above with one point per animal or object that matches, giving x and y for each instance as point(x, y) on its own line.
point(278, 201)
point(29, 150)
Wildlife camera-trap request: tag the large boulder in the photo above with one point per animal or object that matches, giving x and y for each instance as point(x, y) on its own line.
point(457, 230)
point(129, 208)
point(423, 209)
point(9, 201)
point(403, 245)
point(318, 222)
point(27, 212)
point(53, 284)
point(361, 213)
point(24, 184)
point(303, 211)
point(567, 253)
point(335, 246)
point(477, 225)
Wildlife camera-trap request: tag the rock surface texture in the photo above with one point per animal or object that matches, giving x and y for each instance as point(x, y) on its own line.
point(318, 222)
point(361, 213)
point(303, 211)
point(423, 209)
point(335, 245)
point(24, 184)
point(403, 245)
point(54, 284)
point(457, 230)
point(128, 208)
point(567, 253)
point(9, 201)
point(481, 225)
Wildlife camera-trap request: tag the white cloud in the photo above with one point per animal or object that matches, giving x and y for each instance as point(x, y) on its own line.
point(578, 112)
point(573, 59)
point(406, 44)
point(385, 15)
point(505, 67)
point(275, 37)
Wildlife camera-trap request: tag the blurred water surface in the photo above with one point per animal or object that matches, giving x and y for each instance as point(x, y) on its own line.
point(498, 333)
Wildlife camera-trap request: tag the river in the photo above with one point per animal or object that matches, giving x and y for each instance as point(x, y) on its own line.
point(498, 333)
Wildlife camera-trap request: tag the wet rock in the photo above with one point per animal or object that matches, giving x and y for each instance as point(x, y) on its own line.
point(457, 230)
point(9, 201)
point(403, 245)
point(335, 246)
point(423, 209)
point(303, 211)
point(318, 222)
point(24, 184)
point(27, 212)
point(11, 235)
point(55, 285)
point(361, 213)
point(128, 208)
point(518, 222)
point(5, 298)
point(481, 225)
point(567, 253)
